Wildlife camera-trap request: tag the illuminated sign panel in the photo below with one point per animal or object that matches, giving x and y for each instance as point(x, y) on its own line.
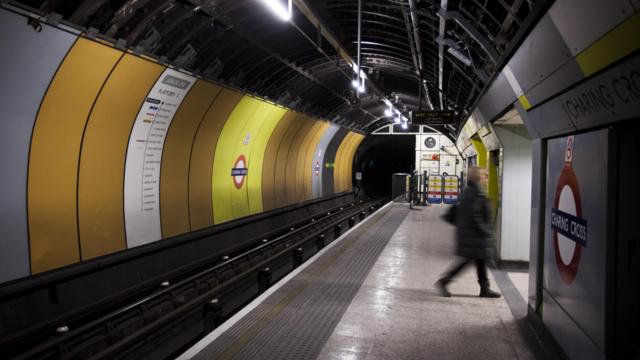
point(432, 118)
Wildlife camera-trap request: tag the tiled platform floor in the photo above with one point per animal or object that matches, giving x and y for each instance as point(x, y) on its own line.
point(397, 314)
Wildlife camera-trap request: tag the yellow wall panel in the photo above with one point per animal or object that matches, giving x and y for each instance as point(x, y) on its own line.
point(256, 161)
point(227, 198)
point(102, 160)
point(202, 155)
point(344, 161)
point(280, 175)
point(308, 162)
point(293, 177)
point(340, 170)
point(337, 164)
point(270, 159)
point(348, 185)
point(55, 151)
point(303, 175)
point(174, 175)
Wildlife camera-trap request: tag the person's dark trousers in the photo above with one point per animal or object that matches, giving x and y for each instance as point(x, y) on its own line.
point(481, 268)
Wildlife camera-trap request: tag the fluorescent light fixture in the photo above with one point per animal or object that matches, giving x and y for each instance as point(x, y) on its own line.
point(397, 120)
point(404, 125)
point(388, 112)
point(361, 88)
point(354, 67)
point(355, 84)
point(276, 6)
point(460, 56)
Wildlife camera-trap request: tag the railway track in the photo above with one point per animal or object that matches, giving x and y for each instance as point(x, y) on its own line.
point(186, 306)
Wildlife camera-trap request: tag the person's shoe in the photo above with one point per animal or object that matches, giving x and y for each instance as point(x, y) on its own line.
point(488, 293)
point(441, 285)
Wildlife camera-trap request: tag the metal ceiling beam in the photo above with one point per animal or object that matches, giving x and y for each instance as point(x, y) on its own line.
point(442, 30)
point(415, 23)
point(282, 59)
point(471, 30)
point(304, 8)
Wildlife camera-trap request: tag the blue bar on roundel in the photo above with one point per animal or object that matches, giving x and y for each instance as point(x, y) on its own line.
point(570, 226)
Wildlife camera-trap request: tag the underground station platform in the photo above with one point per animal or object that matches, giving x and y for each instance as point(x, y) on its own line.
point(319, 179)
point(371, 295)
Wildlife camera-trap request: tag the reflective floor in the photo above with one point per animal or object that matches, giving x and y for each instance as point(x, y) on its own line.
point(397, 313)
point(370, 295)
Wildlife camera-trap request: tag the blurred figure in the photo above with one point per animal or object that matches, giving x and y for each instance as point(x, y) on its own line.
point(473, 233)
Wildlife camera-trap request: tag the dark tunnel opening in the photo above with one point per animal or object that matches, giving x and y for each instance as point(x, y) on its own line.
point(379, 157)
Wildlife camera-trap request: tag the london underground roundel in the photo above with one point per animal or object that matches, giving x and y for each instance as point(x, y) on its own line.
point(568, 226)
point(239, 171)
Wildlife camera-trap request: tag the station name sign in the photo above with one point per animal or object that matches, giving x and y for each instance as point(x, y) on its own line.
point(607, 97)
point(432, 118)
point(570, 226)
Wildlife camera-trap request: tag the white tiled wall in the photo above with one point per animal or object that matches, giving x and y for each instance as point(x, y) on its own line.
point(516, 193)
point(447, 162)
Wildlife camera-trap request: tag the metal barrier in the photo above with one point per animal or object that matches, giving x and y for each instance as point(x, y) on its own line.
point(451, 189)
point(435, 189)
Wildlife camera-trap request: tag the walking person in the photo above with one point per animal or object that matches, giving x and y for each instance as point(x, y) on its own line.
point(473, 233)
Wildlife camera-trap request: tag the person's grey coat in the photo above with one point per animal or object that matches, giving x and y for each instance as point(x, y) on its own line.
point(473, 227)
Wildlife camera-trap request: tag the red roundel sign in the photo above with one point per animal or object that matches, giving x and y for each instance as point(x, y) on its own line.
point(239, 171)
point(569, 228)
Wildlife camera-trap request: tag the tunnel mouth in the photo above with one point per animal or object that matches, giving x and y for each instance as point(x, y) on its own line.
point(379, 157)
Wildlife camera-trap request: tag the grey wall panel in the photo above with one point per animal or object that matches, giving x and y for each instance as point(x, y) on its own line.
point(581, 22)
point(29, 61)
point(533, 133)
point(329, 159)
point(575, 258)
point(611, 96)
point(541, 53)
point(606, 98)
point(550, 120)
point(499, 96)
point(568, 74)
point(536, 240)
point(318, 158)
point(572, 340)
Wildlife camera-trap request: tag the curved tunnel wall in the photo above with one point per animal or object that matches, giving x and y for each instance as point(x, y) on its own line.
point(104, 150)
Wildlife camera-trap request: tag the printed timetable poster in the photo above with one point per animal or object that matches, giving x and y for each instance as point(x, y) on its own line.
point(144, 157)
point(576, 232)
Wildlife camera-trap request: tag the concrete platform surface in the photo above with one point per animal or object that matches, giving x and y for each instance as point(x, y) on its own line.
point(398, 314)
point(370, 295)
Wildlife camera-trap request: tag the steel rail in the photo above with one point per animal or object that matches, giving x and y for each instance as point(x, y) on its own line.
point(319, 223)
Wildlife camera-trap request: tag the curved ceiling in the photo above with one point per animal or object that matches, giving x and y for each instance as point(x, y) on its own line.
point(408, 48)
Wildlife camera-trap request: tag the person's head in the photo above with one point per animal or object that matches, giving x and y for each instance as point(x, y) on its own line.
point(477, 175)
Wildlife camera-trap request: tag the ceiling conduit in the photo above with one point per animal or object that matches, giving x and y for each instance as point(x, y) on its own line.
point(443, 23)
point(418, 48)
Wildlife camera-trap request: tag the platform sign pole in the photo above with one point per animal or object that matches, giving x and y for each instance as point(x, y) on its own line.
point(425, 186)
